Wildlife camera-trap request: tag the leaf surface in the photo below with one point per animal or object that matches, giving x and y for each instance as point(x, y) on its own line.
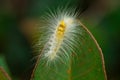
point(86, 64)
point(4, 75)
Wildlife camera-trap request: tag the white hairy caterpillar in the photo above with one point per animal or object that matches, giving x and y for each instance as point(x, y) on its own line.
point(67, 44)
point(59, 34)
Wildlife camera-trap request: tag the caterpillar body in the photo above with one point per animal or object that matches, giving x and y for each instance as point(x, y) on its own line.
point(59, 33)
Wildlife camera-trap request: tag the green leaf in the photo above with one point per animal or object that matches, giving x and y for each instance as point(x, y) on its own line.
point(88, 64)
point(4, 70)
point(4, 75)
point(3, 63)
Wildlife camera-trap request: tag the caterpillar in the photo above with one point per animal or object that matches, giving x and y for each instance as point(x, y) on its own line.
point(63, 38)
point(59, 32)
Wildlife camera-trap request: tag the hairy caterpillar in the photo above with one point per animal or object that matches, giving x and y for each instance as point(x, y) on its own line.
point(59, 33)
point(62, 37)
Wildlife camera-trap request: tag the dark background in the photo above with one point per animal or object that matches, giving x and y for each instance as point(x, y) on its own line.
point(18, 19)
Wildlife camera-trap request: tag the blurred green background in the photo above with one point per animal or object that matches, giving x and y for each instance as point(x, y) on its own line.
point(18, 19)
